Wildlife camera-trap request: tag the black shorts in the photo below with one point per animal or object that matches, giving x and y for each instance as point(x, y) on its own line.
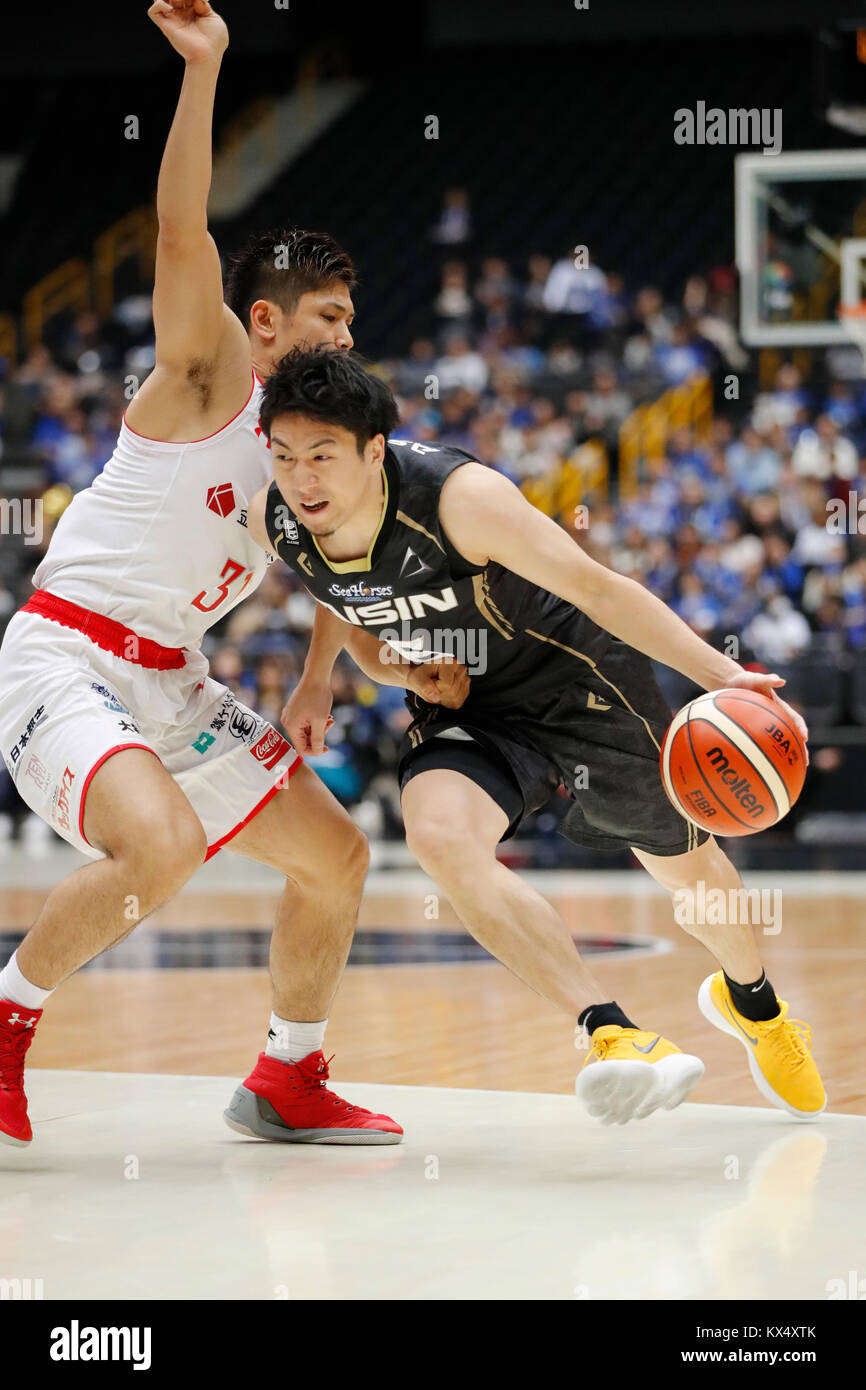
point(598, 737)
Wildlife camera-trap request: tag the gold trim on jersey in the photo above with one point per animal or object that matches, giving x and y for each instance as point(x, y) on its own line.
point(364, 564)
point(415, 735)
point(692, 828)
point(488, 609)
point(416, 526)
point(589, 661)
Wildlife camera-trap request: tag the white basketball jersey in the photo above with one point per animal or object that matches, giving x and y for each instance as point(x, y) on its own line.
point(159, 542)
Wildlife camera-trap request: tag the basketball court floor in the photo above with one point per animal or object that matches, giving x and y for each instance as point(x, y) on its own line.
point(503, 1188)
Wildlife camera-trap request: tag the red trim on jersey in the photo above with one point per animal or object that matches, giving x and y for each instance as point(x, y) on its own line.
point(181, 442)
point(120, 748)
point(215, 848)
point(106, 633)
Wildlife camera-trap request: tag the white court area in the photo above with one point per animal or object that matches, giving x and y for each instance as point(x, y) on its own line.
point(135, 1189)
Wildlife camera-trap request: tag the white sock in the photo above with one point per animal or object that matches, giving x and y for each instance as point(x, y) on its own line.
point(18, 990)
point(290, 1042)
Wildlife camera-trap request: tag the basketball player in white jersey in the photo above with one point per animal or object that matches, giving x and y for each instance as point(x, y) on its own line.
point(109, 723)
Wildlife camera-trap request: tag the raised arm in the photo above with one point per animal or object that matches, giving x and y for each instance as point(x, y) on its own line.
point(488, 518)
point(203, 370)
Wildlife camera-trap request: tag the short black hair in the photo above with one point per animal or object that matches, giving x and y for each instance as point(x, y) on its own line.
point(282, 265)
point(335, 387)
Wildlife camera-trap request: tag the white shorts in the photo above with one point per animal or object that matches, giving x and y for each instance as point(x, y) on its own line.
point(66, 706)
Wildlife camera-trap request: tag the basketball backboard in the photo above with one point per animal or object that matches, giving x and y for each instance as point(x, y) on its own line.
point(800, 231)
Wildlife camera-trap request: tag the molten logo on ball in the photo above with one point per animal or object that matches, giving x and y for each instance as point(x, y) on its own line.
point(739, 785)
point(732, 763)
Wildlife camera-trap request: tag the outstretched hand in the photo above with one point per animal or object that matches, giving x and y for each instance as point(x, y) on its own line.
point(767, 684)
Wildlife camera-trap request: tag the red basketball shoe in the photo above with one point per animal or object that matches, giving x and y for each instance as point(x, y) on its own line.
point(17, 1025)
point(290, 1101)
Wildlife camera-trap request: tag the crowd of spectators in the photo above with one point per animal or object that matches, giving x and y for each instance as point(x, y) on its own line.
point(521, 365)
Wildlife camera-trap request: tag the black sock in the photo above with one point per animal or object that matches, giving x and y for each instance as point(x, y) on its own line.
point(756, 1001)
point(603, 1016)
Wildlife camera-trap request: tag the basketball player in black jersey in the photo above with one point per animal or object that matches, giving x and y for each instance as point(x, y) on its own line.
point(414, 550)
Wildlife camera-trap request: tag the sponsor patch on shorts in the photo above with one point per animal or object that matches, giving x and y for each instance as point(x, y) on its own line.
point(270, 748)
point(24, 737)
point(109, 699)
point(60, 811)
point(243, 724)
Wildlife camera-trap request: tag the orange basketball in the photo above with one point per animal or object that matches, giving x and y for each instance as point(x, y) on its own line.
point(732, 762)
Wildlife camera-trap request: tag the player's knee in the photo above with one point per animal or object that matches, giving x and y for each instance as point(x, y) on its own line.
point(354, 855)
point(160, 852)
point(689, 878)
point(188, 847)
point(438, 845)
point(341, 855)
point(707, 865)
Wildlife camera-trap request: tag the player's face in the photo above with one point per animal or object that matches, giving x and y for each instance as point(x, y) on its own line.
point(322, 318)
point(321, 473)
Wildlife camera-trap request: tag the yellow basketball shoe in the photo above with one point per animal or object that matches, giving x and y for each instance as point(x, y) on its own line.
point(780, 1050)
point(630, 1073)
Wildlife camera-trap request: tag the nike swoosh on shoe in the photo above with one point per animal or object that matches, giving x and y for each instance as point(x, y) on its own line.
point(752, 1040)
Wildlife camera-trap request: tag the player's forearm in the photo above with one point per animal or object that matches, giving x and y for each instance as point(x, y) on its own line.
point(327, 639)
point(377, 660)
point(185, 171)
point(636, 616)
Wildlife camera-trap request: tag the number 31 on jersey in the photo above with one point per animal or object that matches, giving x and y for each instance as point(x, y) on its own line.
point(231, 571)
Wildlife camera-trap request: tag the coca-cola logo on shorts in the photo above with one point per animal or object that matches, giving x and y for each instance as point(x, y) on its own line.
point(266, 745)
point(270, 749)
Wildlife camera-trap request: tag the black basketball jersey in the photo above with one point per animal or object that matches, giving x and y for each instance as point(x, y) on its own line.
point(416, 593)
